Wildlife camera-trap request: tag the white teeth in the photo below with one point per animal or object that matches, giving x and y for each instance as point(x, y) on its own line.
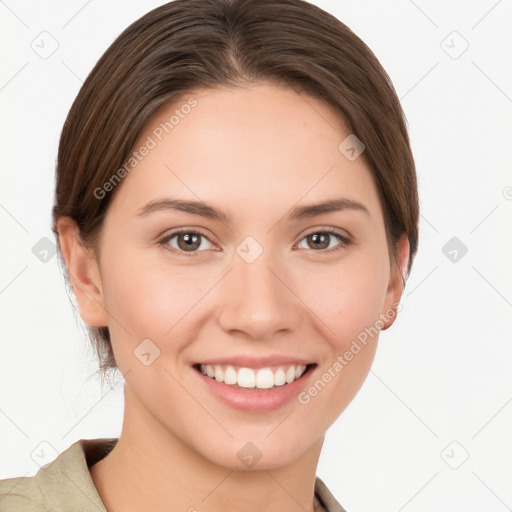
point(279, 377)
point(263, 378)
point(290, 374)
point(246, 378)
point(230, 375)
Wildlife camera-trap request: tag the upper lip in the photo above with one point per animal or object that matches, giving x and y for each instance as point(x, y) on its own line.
point(256, 362)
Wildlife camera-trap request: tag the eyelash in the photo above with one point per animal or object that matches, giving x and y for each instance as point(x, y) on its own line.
point(345, 241)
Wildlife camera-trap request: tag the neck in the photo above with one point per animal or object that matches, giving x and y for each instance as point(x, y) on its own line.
point(151, 469)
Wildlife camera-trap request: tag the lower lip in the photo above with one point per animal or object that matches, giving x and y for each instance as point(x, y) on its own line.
point(254, 399)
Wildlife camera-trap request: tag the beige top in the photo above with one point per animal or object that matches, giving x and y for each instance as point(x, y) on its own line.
point(65, 484)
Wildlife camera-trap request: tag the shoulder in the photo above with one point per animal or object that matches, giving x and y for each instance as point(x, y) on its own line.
point(21, 494)
point(60, 485)
point(326, 498)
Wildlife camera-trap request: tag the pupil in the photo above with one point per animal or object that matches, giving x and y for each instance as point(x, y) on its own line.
point(189, 241)
point(320, 237)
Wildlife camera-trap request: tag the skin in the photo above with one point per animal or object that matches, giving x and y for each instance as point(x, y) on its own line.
point(254, 151)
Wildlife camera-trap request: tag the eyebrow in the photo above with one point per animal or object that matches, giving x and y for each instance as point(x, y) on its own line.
point(205, 210)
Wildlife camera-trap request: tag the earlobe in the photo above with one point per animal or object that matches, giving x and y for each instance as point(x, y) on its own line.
point(84, 274)
point(396, 283)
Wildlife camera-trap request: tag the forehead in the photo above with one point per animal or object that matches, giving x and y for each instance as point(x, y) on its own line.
point(259, 146)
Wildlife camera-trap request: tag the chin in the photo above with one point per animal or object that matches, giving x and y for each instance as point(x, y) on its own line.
point(257, 452)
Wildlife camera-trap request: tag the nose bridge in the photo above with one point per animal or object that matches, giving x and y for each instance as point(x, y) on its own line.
point(257, 300)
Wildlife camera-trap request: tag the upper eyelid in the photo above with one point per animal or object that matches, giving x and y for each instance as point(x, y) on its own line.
point(179, 231)
point(332, 230)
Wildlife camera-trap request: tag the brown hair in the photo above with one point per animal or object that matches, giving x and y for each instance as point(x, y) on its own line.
point(189, 44)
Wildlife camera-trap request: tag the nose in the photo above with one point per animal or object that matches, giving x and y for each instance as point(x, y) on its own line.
point(259, 300)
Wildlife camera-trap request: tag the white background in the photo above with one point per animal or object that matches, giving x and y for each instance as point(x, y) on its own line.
point(441, 385)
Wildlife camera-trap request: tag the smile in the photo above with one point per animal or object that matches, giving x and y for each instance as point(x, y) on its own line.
point(262, 378)
point(267, 386)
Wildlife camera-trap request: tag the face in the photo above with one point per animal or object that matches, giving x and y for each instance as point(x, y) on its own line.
point(263, 286)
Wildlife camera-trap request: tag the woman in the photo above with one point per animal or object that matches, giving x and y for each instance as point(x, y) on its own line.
point(236, 211)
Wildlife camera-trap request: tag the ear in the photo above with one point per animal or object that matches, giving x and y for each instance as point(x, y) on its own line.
point(84, 274)
point(396, 283)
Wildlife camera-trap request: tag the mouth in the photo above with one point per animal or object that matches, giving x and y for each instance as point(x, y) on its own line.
point(264, 379)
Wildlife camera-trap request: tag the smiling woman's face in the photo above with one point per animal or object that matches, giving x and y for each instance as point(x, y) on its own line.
point(264, 283)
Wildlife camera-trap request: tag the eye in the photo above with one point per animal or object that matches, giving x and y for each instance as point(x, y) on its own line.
point(187, 242)
point(322, 240)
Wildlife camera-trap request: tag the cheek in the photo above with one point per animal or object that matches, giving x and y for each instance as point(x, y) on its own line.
point(149, 298)
point(347, 298)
